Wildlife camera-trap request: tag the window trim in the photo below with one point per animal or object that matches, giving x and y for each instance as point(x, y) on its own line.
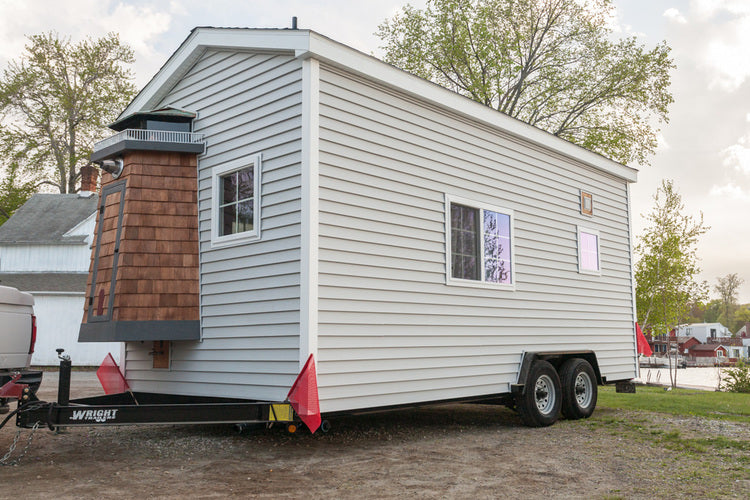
point(595, 232)
point(222, 170)
point(449, 279)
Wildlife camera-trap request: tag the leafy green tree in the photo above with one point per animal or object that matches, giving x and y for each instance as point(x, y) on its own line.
point(55, 102)
point(551, 63)
point(14, 192)
point(713, 311)
point(740, 317)
point(667, 266)
point(727, 287)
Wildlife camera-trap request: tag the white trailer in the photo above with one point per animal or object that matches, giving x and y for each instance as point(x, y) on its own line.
point(420, 246)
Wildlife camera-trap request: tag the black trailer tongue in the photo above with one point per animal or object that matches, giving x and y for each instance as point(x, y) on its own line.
point(143, 408)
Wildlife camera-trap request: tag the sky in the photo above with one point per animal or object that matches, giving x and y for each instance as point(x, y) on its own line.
point(704, 149)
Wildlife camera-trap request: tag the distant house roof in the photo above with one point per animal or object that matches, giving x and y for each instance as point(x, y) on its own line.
point(731, 341)
point(45, 218)
point(682, 340)
point(45, 282)
point(706, 347)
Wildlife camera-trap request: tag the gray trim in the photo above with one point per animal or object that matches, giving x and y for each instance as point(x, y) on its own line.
point(121, 331)
point(133, 145)
point(109, 190)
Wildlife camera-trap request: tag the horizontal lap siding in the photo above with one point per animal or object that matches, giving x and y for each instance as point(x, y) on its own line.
point(247, 104)
point(391, 331)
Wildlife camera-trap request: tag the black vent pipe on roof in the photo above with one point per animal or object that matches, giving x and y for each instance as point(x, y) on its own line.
point(294, 22)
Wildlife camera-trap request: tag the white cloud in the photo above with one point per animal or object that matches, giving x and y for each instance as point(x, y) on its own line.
point(674, 15)
point(719, 32)
point(139, 25)
point(726, 56)
point(707, 9)
point(730, 191)
point(661, 143)
point(737, 156)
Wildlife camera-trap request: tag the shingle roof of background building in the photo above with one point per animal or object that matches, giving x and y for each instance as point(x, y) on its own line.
point(45, 218)
point(45, 282)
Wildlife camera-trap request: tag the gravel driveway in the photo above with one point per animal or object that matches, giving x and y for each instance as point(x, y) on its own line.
point(458, 451)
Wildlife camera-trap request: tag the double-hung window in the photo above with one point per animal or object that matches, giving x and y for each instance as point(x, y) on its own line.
point(235, 206)
point(479, 243)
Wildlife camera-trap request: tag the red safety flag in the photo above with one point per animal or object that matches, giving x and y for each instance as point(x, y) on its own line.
point(303, 396)
point(111, 378)
point(643, 347)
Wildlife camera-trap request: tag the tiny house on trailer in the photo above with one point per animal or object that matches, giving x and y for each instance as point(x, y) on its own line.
point(273, 194)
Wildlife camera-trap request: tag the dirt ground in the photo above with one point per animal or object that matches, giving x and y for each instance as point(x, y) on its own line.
point(450, 451)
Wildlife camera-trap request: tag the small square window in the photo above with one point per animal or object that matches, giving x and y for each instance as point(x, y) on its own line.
point(235, 204)
point(588, 251)
point(587, 203)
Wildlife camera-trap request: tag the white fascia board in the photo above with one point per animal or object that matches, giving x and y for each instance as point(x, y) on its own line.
point(200, 39)
point(305, 44)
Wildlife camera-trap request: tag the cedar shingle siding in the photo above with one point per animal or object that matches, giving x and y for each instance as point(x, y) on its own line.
point(157, 274)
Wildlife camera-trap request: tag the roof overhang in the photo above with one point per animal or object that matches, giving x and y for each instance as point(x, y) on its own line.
point(308, 44)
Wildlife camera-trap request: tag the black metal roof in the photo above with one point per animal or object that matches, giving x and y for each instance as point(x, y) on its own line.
point(166, 114)
point(45, 218)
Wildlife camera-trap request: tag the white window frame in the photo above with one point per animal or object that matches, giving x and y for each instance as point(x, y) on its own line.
point(595, 232)
point(216, 174)
point(481, 283)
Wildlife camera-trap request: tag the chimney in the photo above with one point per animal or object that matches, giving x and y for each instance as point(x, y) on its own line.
point(89, 176)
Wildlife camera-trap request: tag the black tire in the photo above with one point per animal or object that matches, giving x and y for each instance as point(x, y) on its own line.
point(539, 405)
point(579, 389)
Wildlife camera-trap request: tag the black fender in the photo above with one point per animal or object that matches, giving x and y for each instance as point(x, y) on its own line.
point(556, 358)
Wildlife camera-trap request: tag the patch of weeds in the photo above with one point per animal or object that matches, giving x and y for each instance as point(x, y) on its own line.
point(673, 440)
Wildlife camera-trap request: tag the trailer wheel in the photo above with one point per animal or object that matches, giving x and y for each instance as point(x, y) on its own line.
point(325, 426)
point(579, 389)
point(539, 405)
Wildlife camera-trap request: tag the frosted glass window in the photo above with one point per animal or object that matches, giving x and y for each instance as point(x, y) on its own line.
point(588, 248)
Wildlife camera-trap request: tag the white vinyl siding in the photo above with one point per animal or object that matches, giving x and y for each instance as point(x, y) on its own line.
point(247, 104)
point(391, 330)
point(45, 258)
point(58, 319)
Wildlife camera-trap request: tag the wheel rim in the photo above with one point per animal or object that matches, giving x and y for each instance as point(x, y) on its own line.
point(583, 389)
point(544, 394)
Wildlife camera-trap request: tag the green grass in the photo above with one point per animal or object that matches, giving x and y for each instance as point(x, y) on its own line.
point(709, 404)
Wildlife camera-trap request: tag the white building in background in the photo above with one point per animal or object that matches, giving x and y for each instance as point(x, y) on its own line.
point(704, 332)
point(45, 249)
